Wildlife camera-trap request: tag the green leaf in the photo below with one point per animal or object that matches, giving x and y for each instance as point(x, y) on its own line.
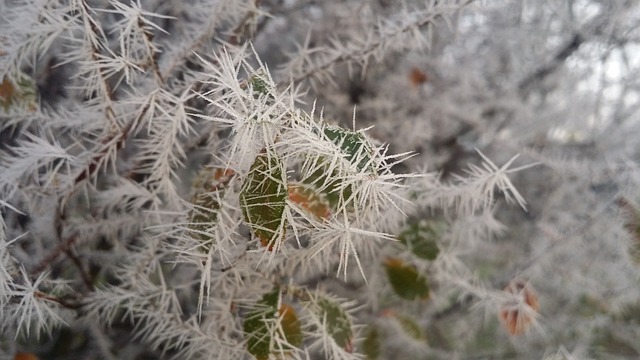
point(330, 187)
point(202, 217)
point(356, 147)
point(209, 184)
point(21, 93)
point(256, 325)
point(263, 198)
point(336, 322)
point(263, 318)
point(259, 86)
point(421, 239)
point(371, 344)
point(405, 280)
point(290, 325)
point(410, 327)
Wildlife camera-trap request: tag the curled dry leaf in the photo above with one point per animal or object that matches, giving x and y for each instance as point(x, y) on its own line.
point(518, 316)
point(417, 77)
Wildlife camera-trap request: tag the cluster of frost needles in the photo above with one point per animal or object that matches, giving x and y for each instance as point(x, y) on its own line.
point(292, 179)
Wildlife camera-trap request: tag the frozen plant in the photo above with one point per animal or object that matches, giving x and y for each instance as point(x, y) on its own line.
point(246, 179)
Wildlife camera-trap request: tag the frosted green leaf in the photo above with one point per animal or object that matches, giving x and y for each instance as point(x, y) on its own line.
point(421, 239)
point(410, 327)
point(355, 146)
point(405, 280)
point(263, 198)
point(259, 86)
point(336, 321)
point(21, 93)
point(263, 318)
point(290, 325)
point(256, 325)
point(371, 344)
point(209, 184)
point(331, 188)
point(202, 217)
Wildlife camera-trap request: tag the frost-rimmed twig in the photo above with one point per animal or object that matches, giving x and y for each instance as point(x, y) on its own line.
point(402, 30)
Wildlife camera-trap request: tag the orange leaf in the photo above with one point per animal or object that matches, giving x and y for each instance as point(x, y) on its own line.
point(222, 174)
point(417, 77)
point(7, 91)
point(309, 200)
point(25, 356)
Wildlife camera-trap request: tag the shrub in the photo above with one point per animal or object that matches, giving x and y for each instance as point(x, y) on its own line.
point(209, 179)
